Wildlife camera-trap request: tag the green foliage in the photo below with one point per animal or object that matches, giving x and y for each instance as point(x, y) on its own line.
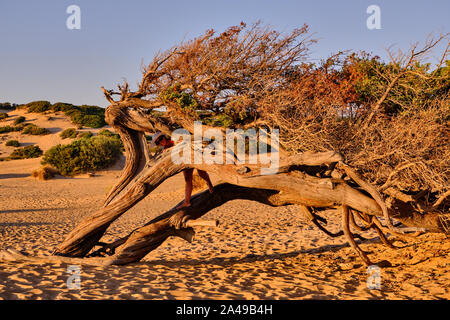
point(7, 106)
point(87, 116)
point(107, 133)
point(7, 129)
point(20, 126)
point(35, 130)
point(62, 106)
point(418, 86)
point(112, 135)
point(19, 120)
point(12, 143)
point(3, 115)
point(69, 133)
point(38, 106)
point(220, 120)
point(83, 155)
point(85, 134)
point(184, 100)
point(26, 152)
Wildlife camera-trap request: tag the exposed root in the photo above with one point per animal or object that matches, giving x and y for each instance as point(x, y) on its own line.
point(368, 226)
point(370, 223)
point(395, 233)
point(350, 237)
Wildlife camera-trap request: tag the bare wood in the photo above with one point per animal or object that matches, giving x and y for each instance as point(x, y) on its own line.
point(441, 199)
point(201, 223)
point(11, 255)
point(349, 236)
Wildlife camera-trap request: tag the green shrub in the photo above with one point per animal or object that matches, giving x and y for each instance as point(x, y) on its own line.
point(62, 106)
point(26, 153)
point(107, 133)
point(35, 130)
point(87, 116)
point(38, 106)
point(69, 133)
point(112, 135)
point(83, 155)
point(19, 120)
point(20, 126)
point(12, 143)
point(221, 120)
point(7, 129)
point(184, 100)
point(87, 120)
point(3, 115)
point(85, 134)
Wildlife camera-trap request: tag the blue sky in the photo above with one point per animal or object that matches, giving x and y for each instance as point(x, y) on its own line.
point(41, 59)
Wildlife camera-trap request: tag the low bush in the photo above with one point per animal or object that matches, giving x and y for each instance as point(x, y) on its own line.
point(7, 129)
point(112, 135)
point(26, 153)
point(7, 106)
point(69, 133)
point(87, 116)
point(62, 106)
point(18, 120)
point(38, 106)
point(44, 173)
point(83, 155)
point(35, 130)
point(3, 115)
point(12, 143)
point(85, 134)
point(107, 133)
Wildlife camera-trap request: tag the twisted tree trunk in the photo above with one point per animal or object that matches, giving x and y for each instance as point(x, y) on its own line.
point(293, 184)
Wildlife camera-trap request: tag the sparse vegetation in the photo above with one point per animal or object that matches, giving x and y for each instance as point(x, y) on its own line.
point(26, 153)
point(69, 133)
point(44, 173)
point(108, 133)
point(7, 129)
point(83, 155)
point(85, 134)
point(112, 135)
point(38, 106)
point(3, 115)
point(87, 116)
point(8, 106)
point(84, 115)
point(12, 143)
point(18, 120)
point(62, 106)
point(35, 130)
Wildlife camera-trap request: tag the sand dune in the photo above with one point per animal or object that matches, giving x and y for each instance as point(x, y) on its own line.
point(55, 122)
point(257, 252)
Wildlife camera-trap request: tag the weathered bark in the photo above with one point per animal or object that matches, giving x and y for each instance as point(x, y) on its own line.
point(293, 184)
